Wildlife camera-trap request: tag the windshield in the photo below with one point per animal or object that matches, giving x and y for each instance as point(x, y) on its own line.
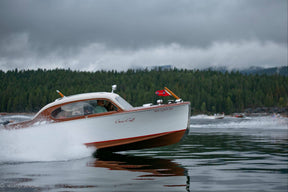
point(124, 103)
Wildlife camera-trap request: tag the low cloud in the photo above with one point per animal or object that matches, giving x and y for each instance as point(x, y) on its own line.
point(18, 52)
point(119, 35)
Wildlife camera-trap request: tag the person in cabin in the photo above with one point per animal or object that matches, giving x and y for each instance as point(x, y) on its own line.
point(100, 108)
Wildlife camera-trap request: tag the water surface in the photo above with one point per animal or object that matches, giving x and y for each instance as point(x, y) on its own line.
point(227, 154)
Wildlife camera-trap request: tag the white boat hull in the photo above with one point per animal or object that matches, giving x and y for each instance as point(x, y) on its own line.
point(139, 128)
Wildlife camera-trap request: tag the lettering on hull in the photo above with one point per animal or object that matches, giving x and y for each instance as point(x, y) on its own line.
point(127, 120)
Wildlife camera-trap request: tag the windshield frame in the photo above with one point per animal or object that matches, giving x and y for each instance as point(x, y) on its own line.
point(123, 103)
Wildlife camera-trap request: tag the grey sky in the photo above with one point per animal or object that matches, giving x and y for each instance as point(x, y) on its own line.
point(120, 34)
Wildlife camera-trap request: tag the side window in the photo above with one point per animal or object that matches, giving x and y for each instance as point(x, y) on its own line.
point(83, 108)
point(110, 107)
point(69, 110)
point(101, 106)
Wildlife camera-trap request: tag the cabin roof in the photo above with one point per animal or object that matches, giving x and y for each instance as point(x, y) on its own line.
point(85, 96)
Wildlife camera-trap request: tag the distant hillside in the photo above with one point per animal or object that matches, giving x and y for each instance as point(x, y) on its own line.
point(283, 71)
point(268, 71)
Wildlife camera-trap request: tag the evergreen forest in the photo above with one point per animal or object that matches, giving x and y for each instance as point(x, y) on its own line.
point(208, 91)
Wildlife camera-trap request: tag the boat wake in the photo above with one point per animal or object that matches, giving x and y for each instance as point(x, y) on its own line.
point(262, 122)
point(42, 143)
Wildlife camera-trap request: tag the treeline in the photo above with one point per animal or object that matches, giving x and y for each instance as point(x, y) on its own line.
point(208, 91)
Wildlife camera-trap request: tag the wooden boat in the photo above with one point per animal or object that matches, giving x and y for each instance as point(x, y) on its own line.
point(218, 116)
point(111, 123)
point(239, 115)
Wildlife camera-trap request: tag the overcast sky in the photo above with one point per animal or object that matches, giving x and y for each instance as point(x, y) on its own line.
point(120, 34)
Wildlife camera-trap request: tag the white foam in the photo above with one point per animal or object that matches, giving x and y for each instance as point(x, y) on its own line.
point(42, 143)
point(202, 117)
point(265, 122)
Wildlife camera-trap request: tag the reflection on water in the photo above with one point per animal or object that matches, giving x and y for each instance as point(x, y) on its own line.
point(104, 172)
point(147, 168)
point(152, 167)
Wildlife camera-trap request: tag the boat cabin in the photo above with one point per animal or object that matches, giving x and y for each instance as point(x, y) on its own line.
point(83, 105)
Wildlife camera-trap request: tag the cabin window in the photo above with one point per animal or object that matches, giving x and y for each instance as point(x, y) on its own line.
point(83, 108)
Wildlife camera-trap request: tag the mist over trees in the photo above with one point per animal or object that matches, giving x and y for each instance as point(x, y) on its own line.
point(208, 91)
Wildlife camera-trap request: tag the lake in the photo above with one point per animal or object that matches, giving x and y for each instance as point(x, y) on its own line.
point(230, 154)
